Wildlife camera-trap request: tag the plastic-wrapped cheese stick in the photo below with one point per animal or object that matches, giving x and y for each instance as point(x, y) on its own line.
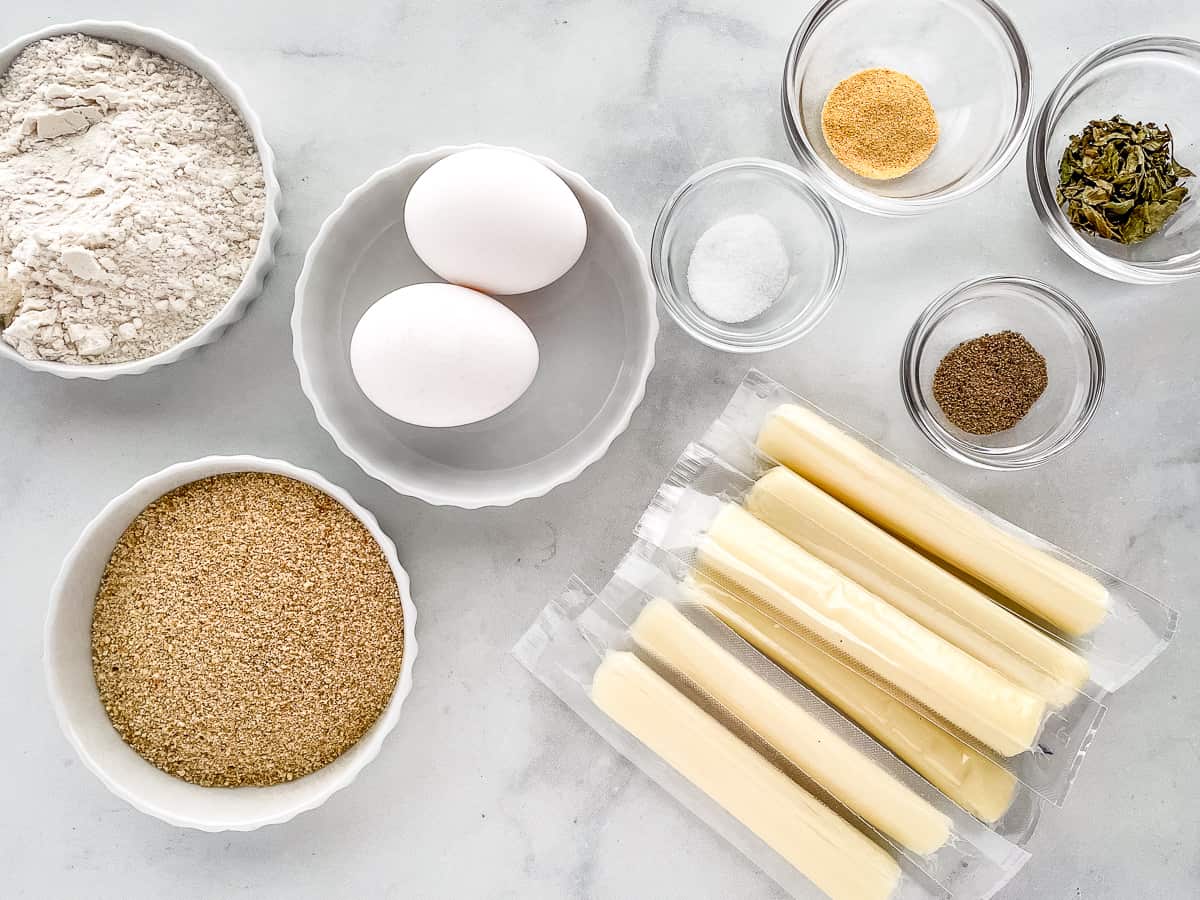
point(924, 590)
point(977, 784)
point(834, 855)
point(873, 633)
point(899, 501)
point(842, 770)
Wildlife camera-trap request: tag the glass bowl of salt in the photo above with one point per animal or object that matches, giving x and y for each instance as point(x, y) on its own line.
point(747, 256)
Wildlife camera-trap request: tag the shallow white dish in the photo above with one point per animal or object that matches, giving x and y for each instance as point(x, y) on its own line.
point(264, 257)
point(73, 693)
point(595, 329)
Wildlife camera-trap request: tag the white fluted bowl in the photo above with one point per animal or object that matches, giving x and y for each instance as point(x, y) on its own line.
point(264, 256)
point(76, 700)
point(595, 329)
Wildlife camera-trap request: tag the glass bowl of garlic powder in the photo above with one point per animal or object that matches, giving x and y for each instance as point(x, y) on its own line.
point(897, 108)
point(748, 256)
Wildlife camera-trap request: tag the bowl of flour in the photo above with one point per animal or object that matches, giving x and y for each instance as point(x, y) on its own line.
point(138, 200)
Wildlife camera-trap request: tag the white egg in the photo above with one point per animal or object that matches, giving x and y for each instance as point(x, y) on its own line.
point(495, 220)
point(440, 355)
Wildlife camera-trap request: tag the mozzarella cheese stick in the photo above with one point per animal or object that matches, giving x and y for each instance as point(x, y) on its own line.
point(871, 632)
point(977, 784)
point(920, 588)
point(900, 502)
point(846, 773)
point(829, 851)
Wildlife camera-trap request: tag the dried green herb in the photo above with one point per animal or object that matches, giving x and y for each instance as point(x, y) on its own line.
point(1119, 180)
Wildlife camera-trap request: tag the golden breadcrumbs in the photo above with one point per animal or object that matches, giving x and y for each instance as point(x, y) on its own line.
point(879, 123)
point(247, 631)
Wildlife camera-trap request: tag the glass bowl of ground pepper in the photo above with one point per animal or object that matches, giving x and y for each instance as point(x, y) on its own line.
point(1002, 372)
point(1112, 160)
point(897, 108)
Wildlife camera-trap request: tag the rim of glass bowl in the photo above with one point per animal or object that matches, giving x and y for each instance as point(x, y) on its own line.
point(955, 447)
point(1041, 189)
point(860, 199)
point(817, 306)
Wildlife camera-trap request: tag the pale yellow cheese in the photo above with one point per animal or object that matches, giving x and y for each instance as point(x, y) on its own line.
point(839, 768)
point(976, 783)
point(829, 851)
point(941, 602)
point(899, 501)
point(873, 633)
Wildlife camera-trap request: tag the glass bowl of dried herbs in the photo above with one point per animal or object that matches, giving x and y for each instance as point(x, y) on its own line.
point(1002, 372)
point(861, 79)
point(1112, 157)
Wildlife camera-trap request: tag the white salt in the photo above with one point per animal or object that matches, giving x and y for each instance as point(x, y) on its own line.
point(738, 268)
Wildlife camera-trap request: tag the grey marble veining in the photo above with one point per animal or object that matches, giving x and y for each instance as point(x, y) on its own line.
point(489, 787)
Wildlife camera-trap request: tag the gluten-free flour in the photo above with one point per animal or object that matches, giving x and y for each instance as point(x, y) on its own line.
point(131, 201)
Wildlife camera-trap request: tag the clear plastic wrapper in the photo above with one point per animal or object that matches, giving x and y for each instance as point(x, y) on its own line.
point(647, 570)
point(697, 519)
point(645, 654)
point(1116, 627)
point(859, 678)
point(1022, 650)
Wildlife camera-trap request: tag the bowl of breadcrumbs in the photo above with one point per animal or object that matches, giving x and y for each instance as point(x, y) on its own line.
point(229, 642)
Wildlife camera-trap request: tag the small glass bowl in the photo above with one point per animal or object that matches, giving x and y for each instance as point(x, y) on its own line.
point(810, 228)
point(1151, 79)
point(1056, 327)
point(972, 64)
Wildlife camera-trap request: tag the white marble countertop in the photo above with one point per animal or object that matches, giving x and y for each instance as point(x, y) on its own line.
point(489, 787)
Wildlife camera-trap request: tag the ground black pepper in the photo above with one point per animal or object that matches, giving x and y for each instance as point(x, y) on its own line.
point(988, 384)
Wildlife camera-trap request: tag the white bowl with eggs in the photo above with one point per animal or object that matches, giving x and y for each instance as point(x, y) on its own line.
point(594, 326)
point(264, 257)
point(81, 714)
